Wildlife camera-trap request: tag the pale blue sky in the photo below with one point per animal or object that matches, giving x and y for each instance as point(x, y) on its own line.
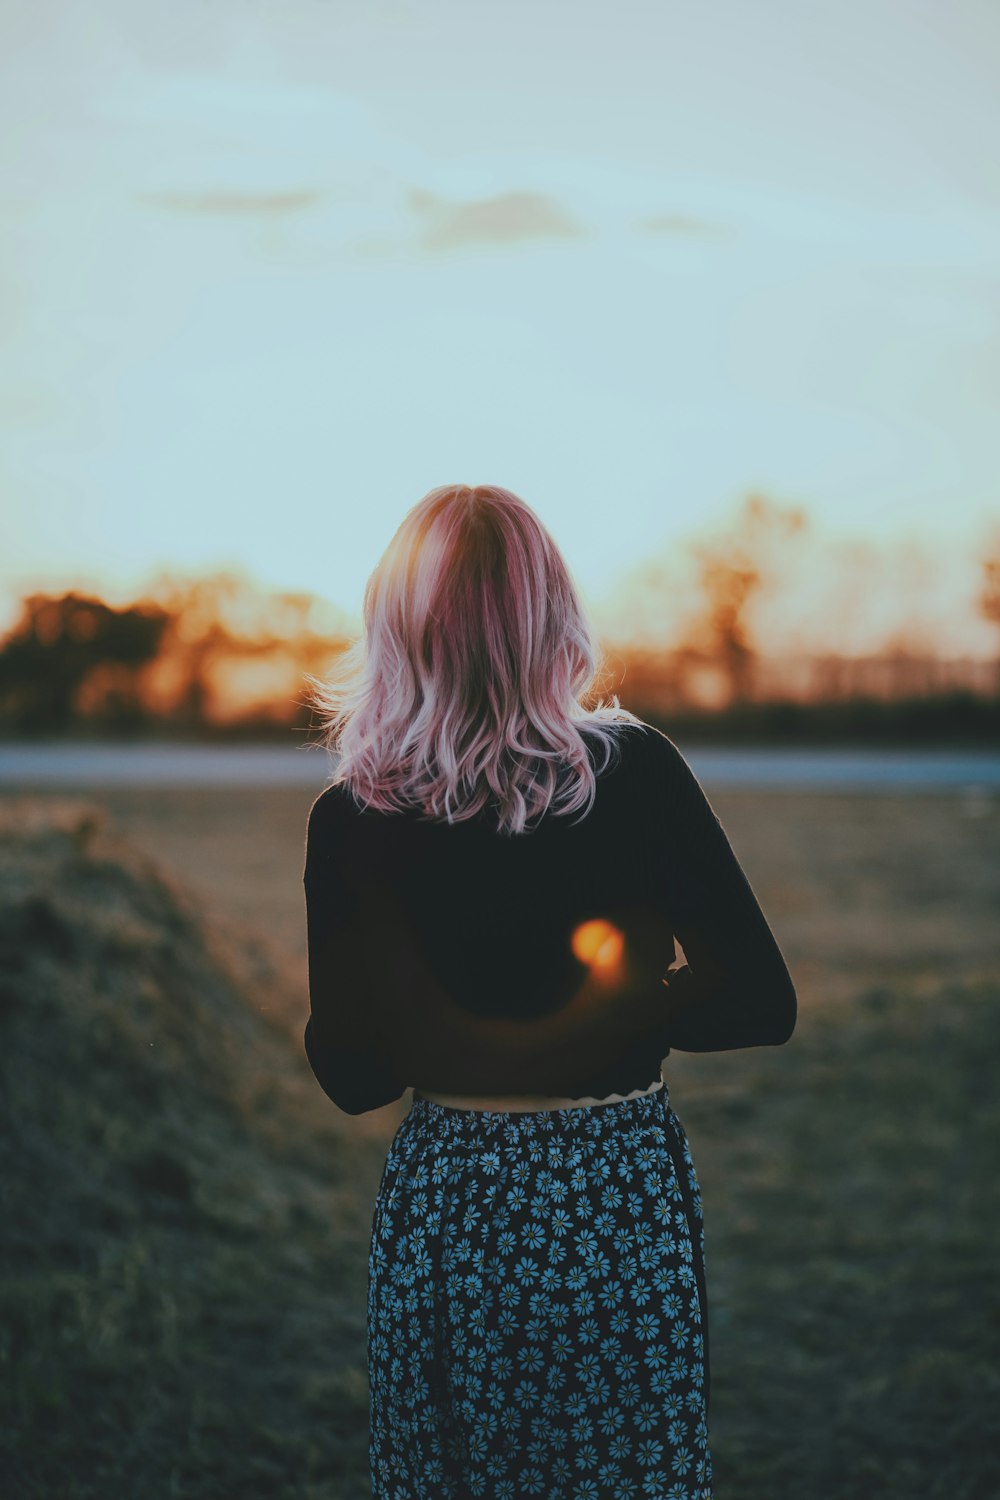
point(273, 270)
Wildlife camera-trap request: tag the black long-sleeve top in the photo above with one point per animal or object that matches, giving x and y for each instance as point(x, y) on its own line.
point(494, 914)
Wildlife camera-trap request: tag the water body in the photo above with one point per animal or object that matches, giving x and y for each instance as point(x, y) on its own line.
point(30, 766)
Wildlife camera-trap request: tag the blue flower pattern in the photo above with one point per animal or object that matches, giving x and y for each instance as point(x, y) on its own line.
point(537, 1323)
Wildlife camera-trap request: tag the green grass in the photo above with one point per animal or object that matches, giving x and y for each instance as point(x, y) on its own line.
point(852, 1216)
point(182, 1226)
point(184, 1216)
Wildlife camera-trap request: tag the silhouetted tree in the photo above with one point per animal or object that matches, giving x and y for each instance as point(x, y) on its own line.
point(225, 629)
point(733, 569)
point(61, 647)
point(989, 599)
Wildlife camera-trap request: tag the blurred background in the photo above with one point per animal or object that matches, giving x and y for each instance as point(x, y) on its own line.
point(715, 291)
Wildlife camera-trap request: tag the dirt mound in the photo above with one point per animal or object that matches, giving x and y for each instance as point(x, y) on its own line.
point(118, 1003)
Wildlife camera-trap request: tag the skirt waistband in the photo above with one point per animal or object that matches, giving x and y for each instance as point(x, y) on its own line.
point(520, 1103)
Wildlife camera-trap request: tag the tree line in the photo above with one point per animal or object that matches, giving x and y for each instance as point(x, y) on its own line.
point(219, 655)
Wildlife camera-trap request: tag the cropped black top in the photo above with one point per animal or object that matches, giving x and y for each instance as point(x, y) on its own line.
point(495, 914)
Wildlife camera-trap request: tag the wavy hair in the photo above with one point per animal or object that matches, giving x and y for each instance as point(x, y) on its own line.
point(467, 686)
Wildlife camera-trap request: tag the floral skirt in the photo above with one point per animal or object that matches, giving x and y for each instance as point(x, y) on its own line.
point(537, 1319)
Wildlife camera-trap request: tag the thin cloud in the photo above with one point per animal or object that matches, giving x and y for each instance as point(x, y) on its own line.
point(233, 203)
point(501, 220)
point(678, 224)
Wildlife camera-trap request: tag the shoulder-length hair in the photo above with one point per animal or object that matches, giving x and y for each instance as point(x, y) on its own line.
point(467, 687)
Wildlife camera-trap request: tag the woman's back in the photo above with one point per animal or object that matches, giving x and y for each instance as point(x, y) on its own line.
point(495, 913)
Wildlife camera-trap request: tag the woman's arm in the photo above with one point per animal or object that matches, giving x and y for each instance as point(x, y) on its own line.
point(735, 979)
point(357, 1079)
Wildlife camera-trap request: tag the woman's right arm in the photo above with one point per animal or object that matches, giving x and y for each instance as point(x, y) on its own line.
point(735, 979)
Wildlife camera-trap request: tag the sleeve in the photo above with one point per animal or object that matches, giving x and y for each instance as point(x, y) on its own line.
point(340, 1042)
point(735, 977)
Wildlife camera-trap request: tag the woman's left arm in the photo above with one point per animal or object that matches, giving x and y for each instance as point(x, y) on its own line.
point(341, 1043)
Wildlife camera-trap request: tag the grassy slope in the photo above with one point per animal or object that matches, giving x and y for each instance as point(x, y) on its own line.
point(182, 1304)
point(185, 1217)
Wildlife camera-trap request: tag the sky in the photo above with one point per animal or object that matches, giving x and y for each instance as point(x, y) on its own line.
point(271, 271)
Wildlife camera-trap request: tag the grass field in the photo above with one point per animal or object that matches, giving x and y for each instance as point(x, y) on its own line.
point(185, 1215)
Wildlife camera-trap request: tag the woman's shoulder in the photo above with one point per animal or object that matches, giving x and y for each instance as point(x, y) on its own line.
point(339, 838)
point(648, 744)
point(333, 806)
point(655, 767)
point(339, 812)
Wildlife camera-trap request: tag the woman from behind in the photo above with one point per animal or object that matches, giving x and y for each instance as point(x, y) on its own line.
point(494, 882)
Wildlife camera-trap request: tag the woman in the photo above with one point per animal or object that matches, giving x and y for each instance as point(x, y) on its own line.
point(493, 883)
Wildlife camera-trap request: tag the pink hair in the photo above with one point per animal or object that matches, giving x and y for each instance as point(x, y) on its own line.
point(466, 687)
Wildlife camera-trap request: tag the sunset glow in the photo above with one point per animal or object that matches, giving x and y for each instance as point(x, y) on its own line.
point(279, 270)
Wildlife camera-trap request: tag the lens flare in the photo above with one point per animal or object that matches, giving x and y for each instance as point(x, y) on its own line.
point(598, 944)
